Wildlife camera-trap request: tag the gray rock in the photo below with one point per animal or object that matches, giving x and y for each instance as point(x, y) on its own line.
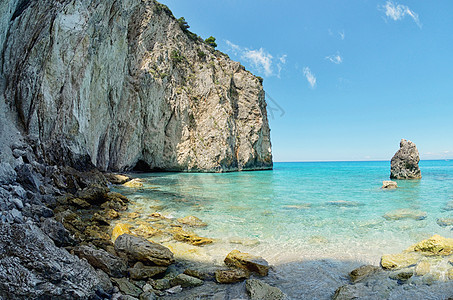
point(231, 276)
point(161, 284)
point(259, 290)
point(141, 272)
point(27, 177)
point(7, 173)
point(404, 164)
point(135, 249)
point(127, 287)
point(101, 259)
point(186, 281)
point(19, 191)
point(32, 267)
point(18, 203)
point(174, 290)
point(57, 232)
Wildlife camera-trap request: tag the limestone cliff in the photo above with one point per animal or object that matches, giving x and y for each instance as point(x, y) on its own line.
point(118, 84)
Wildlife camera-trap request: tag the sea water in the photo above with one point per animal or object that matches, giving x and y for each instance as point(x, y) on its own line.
point(304, 212)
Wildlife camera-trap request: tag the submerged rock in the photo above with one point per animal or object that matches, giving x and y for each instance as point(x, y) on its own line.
point(443, 222)
point(189, 237)
point(362, 272)
point(247, 262)
point(388, 184)
point(405, 213)
point(192, 221)
point(135, 249)
point(134, 183)
point(404, 164)
point(259, 290)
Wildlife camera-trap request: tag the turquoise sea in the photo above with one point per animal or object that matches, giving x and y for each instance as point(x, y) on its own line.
point(307, 211)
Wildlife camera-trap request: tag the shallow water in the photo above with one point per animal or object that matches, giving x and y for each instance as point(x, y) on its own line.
point(303, 211)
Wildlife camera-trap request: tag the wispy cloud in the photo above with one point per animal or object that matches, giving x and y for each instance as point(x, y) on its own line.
point(310, 77)
point(260, 59)
point(397, 12)
point(341, 34)
point(335, 58)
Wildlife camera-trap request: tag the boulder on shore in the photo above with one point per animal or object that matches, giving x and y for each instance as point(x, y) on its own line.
point(259, 290)
point(248, 262)
point(135, 249)
point(404, 164)
point(231, 276)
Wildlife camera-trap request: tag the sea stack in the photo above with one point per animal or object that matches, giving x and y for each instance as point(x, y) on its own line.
point(404, 164)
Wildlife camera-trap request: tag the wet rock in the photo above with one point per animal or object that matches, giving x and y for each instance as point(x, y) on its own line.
point(192, 221)
point(423, 268)
point(401, 214)
point(404, 164)
point(101, 259)
point(142, 272)
point(57, 232)
point(30, 259)
point(444, 222)
point(402, 275)
point(231, 276)
point(343, 203)
point(186, 281)
point(259, 290)
point(348, 292)
point(189, 237)
point(145, 231)
point(134, 183)
point(388, 184)
point(116, 178)
point(99, 219)
point(435, 245)
point(135, 249)
point(248, 262)
point(127, 287)
point(120, 229)
point(448, 206)
point(399, 261)
point(7, 173)
point(363, 272)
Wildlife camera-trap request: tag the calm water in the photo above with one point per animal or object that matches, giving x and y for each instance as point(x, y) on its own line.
point(304, 211)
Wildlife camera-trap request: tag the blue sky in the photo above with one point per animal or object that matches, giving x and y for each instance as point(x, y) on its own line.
point(352, 77)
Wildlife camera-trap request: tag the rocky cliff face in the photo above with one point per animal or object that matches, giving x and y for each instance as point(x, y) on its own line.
point(404, 164)
point(118, 84)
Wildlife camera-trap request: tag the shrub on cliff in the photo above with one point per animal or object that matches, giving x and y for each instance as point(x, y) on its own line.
point(211, 41)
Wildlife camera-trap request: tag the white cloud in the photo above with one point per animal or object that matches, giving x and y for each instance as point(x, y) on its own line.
point(342, 34)
point(335, 58)
point(397, 12)
point(260, 59)
point(310, 77)
point(283, 58)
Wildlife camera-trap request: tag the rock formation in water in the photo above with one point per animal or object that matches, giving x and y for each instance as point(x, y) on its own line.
point(120, 84)
point(404, 164)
